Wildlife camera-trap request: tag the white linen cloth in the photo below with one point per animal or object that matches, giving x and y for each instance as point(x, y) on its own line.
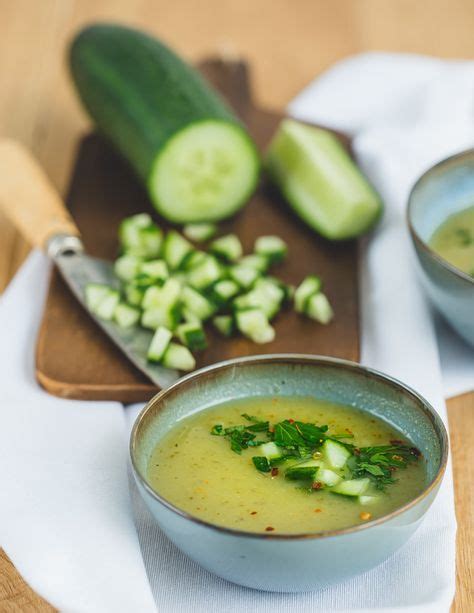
point(66, 515)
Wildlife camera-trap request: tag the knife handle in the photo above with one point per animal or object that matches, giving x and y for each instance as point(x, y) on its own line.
point(29, 199)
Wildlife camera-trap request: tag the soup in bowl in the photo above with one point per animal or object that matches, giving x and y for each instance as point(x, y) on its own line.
point(259, 466)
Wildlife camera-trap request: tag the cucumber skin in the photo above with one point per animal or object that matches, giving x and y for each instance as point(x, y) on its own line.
point(124, 78)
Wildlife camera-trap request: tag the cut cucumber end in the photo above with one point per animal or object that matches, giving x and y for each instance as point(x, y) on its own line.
point(206, 172)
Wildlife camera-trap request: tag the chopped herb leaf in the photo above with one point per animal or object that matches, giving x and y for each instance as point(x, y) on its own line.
point(261, 464)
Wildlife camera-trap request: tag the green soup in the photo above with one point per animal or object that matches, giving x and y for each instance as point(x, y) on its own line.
point(200, 473)
point(454, 240)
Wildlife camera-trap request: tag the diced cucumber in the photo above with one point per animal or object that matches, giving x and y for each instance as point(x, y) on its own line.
point(224, 324)
point(134, 294)
point(178, 357)
point(227, 247)
point(165, 296)
point(274, 291)
point(272, 247)
point(106, 307)
point(175, 249)
point(321, 182)
point(244, 275)
point(367, 500)
point(192, 335)
point(193, 259)
point(207, 272)
point(335, 454)
point(196, 303)
point(253, 323)
point(159, 343)
point(189, 316)
point(126, 315)
point(328, 477)
point(271, 451)
point(301, 473)
point(199, 232)
point(318, 308)
point(155, 269)
point(94, 294)
point(224, 290)
point(162, 315)
point(309, 286)
point(257, 261)
point(351, 487)
point(127, 266)
point(139, 236)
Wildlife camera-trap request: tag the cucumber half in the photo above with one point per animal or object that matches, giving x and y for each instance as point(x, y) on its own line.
point(321, 182)
point(205, 172)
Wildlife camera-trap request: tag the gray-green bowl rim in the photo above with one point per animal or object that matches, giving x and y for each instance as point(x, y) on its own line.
point(414, 234)
point(295, 358)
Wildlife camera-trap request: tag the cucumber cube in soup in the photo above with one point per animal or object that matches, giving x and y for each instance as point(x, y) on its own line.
point(328, 477)
point(159, 343)
point(351, 487)
point(367, 500)
point(335, 454)
point(270, 451)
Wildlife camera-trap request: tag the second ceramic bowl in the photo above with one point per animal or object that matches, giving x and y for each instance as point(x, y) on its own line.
point(291, 562)
point(443, 190)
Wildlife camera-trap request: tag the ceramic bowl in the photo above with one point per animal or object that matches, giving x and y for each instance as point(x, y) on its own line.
point(443, 190)
point(279, 562)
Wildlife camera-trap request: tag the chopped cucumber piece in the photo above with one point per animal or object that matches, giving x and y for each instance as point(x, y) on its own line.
point(162, 315)
point(351, 487)
point(309, 286)
point(126, 315)
point(192, 335)
point(224, 290)
point(335, 454)
point(243, 275)
point(165, 296)
point(224, 324)
point(159, 343)
point(301, 473)
point(193, 259)
point(271, 451)
point(321, 182)
point(257, 261)
point(106, 307)
point(189, 316)
point(272, 247)
point(199, 232)
point(196, 303)
point(328, 477)
point(253, 323)
point(175, 249)
point(227, 247)
point(127, 267)
point(368, 499)
point(265, 295)
point(94, 294)
point(207, 272)
point(178, 357)
point(139, 236)
point(134, 294)
point(155, 269)
point(318, 308)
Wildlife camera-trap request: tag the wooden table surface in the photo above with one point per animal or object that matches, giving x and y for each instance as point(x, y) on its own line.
point(288, 42)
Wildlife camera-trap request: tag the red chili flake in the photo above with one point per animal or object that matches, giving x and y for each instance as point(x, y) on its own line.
point(415, 451)
point(269, 529)
point(398, 458)
point(292, 421)
point(317, 510)
point(274, 472)
point(253, 512)
point(317, 485)
point(271, 429)
point(349, 431)
point(356, 451)
point(396, 441)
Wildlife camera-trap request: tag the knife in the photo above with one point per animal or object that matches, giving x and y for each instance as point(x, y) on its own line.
point(33, 205)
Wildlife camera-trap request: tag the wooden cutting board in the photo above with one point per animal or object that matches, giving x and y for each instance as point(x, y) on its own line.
point(75, 359)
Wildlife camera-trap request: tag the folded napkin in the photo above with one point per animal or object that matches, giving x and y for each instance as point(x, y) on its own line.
point(66, 512)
